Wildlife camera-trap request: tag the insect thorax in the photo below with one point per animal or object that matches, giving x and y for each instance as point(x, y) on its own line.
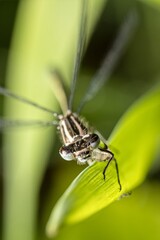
point(76, 137)
point(79, 143)
point(71, 128)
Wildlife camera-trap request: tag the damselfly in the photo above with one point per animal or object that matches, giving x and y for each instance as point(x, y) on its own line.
point(80, 142)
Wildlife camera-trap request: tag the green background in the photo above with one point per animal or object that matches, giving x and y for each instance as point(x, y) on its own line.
point(35, 36)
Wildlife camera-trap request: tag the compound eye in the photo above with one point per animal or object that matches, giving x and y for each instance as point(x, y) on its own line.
point(66, 154)
point(94, 140)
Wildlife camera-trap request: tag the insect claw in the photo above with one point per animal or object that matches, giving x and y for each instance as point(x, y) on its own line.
point(104, 176)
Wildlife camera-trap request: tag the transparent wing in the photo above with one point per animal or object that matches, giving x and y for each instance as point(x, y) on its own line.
point(110, 61)
point(59, 90)
point(7, 93)
point(7, 123)
point(79, 51)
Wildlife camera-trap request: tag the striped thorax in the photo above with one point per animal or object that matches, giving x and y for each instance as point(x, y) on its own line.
point(78, 141)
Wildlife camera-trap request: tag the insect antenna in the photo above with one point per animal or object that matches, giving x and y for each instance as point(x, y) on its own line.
point(79, 51)
point(5, 92)
point(111, 59)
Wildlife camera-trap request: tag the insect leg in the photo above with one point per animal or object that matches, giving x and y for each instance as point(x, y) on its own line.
point(111, 59)
point(79, 51)
point(117, 169)
point(5, 92)
point(14, 123)
point(104, 170)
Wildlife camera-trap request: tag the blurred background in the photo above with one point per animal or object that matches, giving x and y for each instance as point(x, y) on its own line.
point(36, 36)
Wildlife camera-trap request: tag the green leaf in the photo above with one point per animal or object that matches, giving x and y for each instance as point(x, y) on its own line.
point(134, 142)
